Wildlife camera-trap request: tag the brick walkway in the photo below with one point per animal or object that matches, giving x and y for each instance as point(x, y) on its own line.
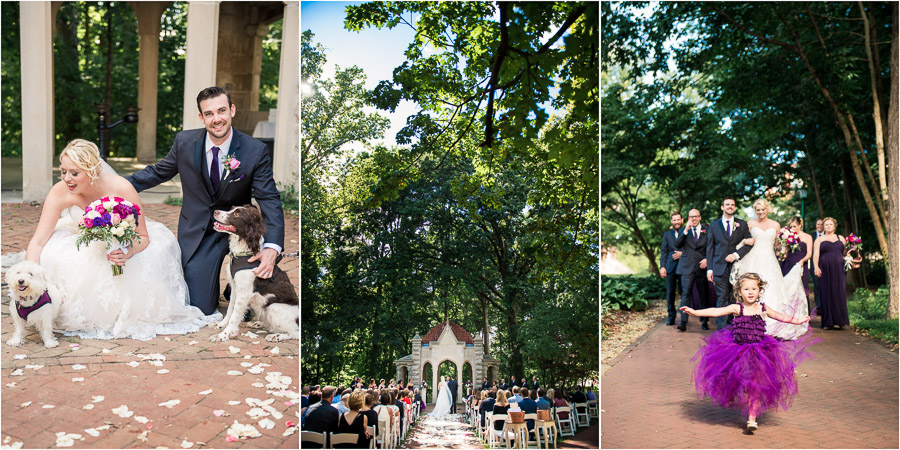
point(195, 366)
point(848, 398)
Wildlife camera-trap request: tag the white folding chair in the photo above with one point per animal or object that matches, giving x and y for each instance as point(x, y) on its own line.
point(383, 434)
point(593, 409)
point(313, 438)
point(371, 430)
point(343, 438)
point(566, 426)
point(582, 416)
point(395, 429)
point(499, 436)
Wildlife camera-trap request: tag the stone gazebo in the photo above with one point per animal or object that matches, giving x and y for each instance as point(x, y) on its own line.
point(447, 341)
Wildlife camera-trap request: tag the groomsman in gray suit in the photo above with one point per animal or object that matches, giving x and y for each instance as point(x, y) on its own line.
point(692, 266)
point(820, 231)
point(725, 234)
point(668, 262)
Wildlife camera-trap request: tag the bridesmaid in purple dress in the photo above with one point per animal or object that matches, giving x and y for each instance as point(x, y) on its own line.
point(801, 255)
point(829, 262)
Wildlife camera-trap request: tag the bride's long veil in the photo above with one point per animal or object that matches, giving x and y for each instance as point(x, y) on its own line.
point(107, 168)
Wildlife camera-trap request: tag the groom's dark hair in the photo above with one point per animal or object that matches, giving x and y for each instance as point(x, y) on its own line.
point(212, 92)
point(728, 197)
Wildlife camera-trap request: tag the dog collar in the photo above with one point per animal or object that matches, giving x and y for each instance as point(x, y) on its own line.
point(241, 255)
point(239, 263)
point(24, 312)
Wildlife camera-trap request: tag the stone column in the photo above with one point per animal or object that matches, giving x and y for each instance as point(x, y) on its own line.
point(459, 380)
point(148, 16)
point(416, 372)
point(200, 57)
point(286, 166)
point(36, 45)
point(434, 374)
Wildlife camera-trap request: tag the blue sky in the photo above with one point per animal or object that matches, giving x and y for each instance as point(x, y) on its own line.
point(376, 51)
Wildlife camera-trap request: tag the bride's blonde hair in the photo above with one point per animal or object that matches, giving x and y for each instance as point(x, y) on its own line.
point(765, 204)
point(85, 155)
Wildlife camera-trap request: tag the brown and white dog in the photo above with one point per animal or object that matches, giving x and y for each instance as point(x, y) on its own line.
point(34, 301)
point(274, 300)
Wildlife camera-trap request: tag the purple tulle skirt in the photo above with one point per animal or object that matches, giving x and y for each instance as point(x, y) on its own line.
point(754, 377)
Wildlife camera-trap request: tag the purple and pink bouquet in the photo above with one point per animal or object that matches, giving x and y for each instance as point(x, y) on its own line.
point(854, 241)
point(112, 220)
point(786, 239)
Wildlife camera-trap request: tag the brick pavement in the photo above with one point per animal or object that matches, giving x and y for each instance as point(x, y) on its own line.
point(195, 365)
point(848, 398)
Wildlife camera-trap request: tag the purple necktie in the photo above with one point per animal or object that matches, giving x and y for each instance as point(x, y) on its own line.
point(728, 227)
point(696, 236)
point(214, 169)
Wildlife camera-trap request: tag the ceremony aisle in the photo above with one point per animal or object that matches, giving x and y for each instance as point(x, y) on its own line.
point(448, 432)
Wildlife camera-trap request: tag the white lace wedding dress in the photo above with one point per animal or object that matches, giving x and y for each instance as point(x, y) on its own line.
point(784, 294)
point(442, 405)
point(149, 298)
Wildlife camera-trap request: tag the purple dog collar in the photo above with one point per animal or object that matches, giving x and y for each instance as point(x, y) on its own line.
point(24, 312)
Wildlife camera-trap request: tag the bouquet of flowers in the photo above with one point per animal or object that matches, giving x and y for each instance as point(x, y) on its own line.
point(855, 244)
point(786, 239)
point(112, 221)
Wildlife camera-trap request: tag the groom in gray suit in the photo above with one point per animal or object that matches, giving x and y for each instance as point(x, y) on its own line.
point(725, 234)
point(199, 156)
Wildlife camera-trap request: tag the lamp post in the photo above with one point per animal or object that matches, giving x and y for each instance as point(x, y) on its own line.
point(131, 116)
point(802, 197)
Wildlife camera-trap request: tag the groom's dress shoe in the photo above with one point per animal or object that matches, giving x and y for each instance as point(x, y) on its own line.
point(705, 326)
point(671, 322)
point(682, 327)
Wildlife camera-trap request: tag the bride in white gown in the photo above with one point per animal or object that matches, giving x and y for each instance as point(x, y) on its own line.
point(442, 404)
point(149, 298)
point(783, 293)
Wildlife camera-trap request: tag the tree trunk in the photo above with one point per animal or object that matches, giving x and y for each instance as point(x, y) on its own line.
point(109, 57)
point(485, 328)
point(876, 104)
point(893, 261)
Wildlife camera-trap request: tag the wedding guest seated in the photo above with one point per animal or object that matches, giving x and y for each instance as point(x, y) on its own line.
point(342, 406)
point(516, 398)
point(314, 397)
point(501, 407)
point(353, 421)
point(322, 417)
point(558, 401)
point(369, 411)
point(337, 396)
point(304, 397)
point(401, 406)
point(529, 406)
point(487, 405)
point(542, 402)
point(384, 409)
point(590, 394)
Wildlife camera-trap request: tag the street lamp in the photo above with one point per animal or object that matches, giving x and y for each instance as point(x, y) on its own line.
point(802, 197)
point(131, 116)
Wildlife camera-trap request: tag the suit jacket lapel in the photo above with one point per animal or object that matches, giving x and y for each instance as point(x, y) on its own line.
point(201, 163)
point(235, 152)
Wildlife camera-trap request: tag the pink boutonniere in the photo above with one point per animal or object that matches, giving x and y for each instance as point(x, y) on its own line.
point(736, 225)
point(230, 163)
point(702, 230)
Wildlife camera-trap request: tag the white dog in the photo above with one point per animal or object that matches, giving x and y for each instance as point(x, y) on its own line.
point(34, 301)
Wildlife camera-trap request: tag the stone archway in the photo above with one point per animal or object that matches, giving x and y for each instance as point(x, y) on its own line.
point(427, 372)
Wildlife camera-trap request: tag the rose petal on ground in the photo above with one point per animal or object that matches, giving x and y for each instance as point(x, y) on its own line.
point(88, 406)
point(97, 399)
point(25, 405)
point(289, 403)
point(149, 426)
point(239, 431)
point(256, 413)
point(105, 350)
point(255, 342)
point(266, 424)
point(64, 439)
point(186, 444)
point(78, 367)
point(141, 419)
point(256, 370)
point(162, 371)
point(290, 424)
point(156, 363)
point(123, 412)
point(11, 385)
point(234, 402)
point(218, 412)
point(20, 356)
point(74, 345)
point(275, 413)
point(289, 431)
point(93, 432)
point(77, 379)
point(250, 335)
point(134, 363)
point(230, 438)
point(258, 385)
point(143, 436)
point(169, 404)
point(167, 339)
point(48, 406)
point(275, 350)
point(193, 343)
point(34, 366)
point(234, 372)
point(206, 392)
point(102, 428)
point(246, 364)
point(233, 349)
point(248, 356)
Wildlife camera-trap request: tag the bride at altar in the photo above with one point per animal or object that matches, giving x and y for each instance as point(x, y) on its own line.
point(783, 293)
point(442, 404)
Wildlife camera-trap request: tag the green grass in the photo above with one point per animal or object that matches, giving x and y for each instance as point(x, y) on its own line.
point(290, 199)
point(868, 311)
point(172, 201)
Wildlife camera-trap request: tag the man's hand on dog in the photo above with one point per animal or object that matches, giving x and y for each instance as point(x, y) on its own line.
point(267, 266)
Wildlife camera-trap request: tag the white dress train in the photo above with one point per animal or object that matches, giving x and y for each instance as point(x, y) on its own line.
point(149, 298)
point(442, 405)
point(784, 294)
